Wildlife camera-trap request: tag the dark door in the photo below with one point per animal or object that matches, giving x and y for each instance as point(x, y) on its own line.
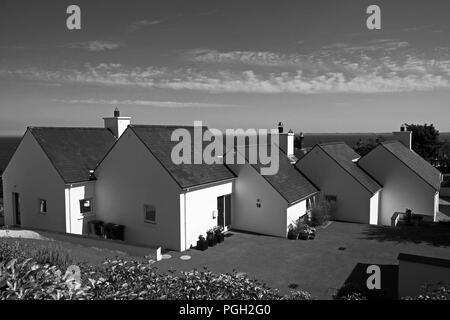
point(220, 211)
point(224, 210)
point(228, 210)
point(16, 208)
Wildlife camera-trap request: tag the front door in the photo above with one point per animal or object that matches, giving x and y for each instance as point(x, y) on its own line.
point(16, 208)
point(224, 211)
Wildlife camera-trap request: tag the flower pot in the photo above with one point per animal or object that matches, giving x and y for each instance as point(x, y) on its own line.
point(211, 239)
point(202, 245)
point(292, 236)
point(303, 236)
point(220, 237)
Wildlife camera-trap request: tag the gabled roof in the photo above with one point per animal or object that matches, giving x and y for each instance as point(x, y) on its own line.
point(346, 157)
point(157, 138)
point(74, 151)
point(415, 162)
point(289, 182)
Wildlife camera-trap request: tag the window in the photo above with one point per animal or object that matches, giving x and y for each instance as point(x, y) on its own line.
point(86, 206)
point(258, 203)
point(330, 198)
point(42, 206)
point(150, 213)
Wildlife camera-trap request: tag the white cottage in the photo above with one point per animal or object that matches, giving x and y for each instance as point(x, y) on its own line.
point(333, 168)
point(159, 202)
point(48, 183)
point(267, 204)
point(408, 180)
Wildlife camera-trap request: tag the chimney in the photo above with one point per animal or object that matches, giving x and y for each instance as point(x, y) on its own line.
point(280, 127)
point(286, 140)
point(404, 136)
point(117, 124)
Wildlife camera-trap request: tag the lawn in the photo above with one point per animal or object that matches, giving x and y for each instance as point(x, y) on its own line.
point(319, 266)
point(78, 254)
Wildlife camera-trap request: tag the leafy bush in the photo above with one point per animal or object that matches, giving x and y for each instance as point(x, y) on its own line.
point(321, 212)
point(349, 291)
point(124, 280)
point(439, 291)
point(29, 280)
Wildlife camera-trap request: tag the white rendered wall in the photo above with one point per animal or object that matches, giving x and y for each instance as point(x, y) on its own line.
point(374, 208)
point(353, 199)
point(75, 221)
point(130, 177)
point(271, 217)
point(31, 174)
point(199, 217)
point(295, 211)
point(402, 188)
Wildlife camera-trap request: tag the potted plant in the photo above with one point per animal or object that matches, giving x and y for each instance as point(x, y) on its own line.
point(303, 231)
point(211, 238)
point(408, 215)
point(218, 233)
point(202, 243)
point(292, 232)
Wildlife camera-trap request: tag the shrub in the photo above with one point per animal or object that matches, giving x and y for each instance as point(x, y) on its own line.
point(321, 212)
point(125, 280)
point(349, 291)
point(29, 280)
point(439, 291)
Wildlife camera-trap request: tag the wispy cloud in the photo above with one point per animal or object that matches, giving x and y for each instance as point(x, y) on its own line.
point(137, 25)
point(94, 46)
point(337, 68)
point(148, 103)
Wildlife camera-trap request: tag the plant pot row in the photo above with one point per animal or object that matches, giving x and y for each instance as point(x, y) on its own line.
point(306, 234)
point(213, 237)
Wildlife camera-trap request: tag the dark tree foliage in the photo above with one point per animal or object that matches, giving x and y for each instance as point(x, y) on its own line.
point(425, 140)
point(297, 141)
point(363, 147)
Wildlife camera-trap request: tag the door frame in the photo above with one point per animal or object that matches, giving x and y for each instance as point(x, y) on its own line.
point(17, 217)
point(225, 217)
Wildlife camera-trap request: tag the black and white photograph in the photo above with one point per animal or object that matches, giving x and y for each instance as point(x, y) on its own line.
point(255, 154)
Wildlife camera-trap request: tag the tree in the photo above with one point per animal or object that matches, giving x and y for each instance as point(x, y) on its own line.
point(363, 147)
point(425, 140)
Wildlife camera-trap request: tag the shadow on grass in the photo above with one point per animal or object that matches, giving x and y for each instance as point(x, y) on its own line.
point(357, 283)
point(436, 234)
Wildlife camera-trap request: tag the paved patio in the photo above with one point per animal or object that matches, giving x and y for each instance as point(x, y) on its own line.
point(319, 266)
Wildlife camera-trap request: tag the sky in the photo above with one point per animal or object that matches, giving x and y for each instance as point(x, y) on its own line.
point(313, 65)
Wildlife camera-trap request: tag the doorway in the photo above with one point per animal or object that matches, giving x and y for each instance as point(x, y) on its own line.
point(224, 211)
point(16, 208)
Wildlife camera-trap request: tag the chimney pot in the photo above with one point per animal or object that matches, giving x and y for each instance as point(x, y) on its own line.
point(280, 127)
point(116, 112)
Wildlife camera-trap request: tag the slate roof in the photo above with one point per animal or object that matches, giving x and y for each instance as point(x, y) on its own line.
point(289, 182)
point(157, 138)
point(74, 151)
point(344, 156)
point(415, 162)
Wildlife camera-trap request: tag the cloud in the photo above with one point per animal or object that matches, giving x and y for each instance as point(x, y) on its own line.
point(149, 103)
point(137, 25)
point(337, 68)
point(143, 23)
point(94, 46)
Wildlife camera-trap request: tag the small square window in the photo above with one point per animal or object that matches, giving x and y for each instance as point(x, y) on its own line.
point(330, 198)
point(85, 206)
point(42, 206)
point(150, 213)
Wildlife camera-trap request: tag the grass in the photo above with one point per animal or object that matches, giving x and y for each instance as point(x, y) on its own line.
point(60, 253)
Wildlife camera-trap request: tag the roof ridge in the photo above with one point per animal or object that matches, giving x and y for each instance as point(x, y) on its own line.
point(83, 128)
